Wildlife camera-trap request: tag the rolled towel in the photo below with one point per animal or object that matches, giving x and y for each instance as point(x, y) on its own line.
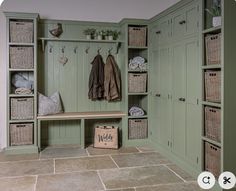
point(136, 111)
point(23, 91)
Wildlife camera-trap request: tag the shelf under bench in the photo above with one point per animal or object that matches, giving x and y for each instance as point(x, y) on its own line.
point(78, 116)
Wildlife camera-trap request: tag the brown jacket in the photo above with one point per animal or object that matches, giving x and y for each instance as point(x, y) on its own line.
point(112, 83)
point(96, 79)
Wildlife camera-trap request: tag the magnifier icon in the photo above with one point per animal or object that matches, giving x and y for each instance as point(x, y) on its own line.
point(206, 179)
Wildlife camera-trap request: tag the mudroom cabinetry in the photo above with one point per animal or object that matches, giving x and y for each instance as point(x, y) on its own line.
point(21, 82)
point(175, 84)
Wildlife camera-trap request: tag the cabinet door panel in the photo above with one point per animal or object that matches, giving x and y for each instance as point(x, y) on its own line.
point(191, 15)
point(193, 133)
point(155, 37)
point(178, 29)
point(193, 71)
point(179, 131)
point(164, 29)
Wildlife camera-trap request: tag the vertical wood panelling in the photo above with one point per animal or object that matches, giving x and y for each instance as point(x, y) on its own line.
point(71, 80)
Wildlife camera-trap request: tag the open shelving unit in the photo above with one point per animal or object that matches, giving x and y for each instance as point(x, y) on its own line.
point(21, 60)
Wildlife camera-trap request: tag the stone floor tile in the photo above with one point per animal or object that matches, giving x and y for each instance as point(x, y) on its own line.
point(18, 184)
point(54, 152)
point(146, 149)
point(181, 172)
point(172, 187)
point(128, 189)
point(141, 176)
point(21, 168)
point(21, 157)
point(139, 159)
point(96, 151)
point(80, 181)
point(85, 163)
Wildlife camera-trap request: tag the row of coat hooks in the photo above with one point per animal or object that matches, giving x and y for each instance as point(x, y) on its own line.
point(75, 49)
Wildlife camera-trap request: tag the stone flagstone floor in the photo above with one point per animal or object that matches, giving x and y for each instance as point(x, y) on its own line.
point(75, 169)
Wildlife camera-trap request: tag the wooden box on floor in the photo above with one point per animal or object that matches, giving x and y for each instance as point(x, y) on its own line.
point(106, 137)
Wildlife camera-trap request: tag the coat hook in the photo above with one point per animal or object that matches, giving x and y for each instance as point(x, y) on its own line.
point(87, 49)
point(75, 49)
point(50, 48)
point(63, 49)
point(109, 51)
point(99, 50)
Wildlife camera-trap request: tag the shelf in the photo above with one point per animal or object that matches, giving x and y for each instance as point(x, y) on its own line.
point(21, 70)
point(216, 66)
point(22, 121)
point(137, 47)
point(211, 104)
point(137, 71)
point(20, 44)
point(213, 29)
point(138, 117)
point(44, 40)
point(211, 141)
point(145, 93)
point(21, 95)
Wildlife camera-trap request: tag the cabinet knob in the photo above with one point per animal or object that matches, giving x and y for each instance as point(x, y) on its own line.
point(182, 99)
point(158, 32)
point(158, 95)
point(182, 22)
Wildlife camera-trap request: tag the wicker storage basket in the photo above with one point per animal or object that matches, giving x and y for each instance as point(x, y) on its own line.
point(21, 134)
point(213, 86)
point(213, 49)
point(138, 128)
point(212, 159)
point(137, 83)
point(21, 31)
point(213, 123)
point(137, 36)
point(21, 57)
point(22, 108)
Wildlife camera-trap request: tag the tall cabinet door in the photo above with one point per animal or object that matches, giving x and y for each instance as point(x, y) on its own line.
point(165, 96)
point(179, 99)
point(193, 108)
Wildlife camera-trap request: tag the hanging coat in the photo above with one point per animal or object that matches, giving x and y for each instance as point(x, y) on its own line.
point(112, 83)
point(96, 79)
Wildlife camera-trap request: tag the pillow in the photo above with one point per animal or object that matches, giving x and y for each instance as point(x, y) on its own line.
point(49, 105)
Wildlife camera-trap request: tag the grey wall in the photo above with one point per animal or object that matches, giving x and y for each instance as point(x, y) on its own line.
point(84, 10)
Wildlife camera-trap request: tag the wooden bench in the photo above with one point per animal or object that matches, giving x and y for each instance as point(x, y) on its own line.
point(78, 116)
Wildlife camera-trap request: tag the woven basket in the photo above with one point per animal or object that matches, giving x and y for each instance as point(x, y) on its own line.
point(138, 129)
point(213, 49)
point(21, 57)
point(213, 86)
point(22, 108)
point(138, 36)
point(212, 159)
point(137, 83)
point(21, 134)
point(21, 31)
point(213, 123)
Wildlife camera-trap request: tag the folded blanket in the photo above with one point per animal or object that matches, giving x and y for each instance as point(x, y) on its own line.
point(20, 81)
point(137, 63)
point(136, 111)
point(23, 91)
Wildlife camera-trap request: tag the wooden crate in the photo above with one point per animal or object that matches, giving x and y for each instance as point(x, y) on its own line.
point(106, 137)
point(213, 123)
point(21, 134)
point(138, 128)
point(212, 159)
point(138, 36)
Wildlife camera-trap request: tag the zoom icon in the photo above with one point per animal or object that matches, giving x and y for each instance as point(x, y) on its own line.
point(206, 180)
